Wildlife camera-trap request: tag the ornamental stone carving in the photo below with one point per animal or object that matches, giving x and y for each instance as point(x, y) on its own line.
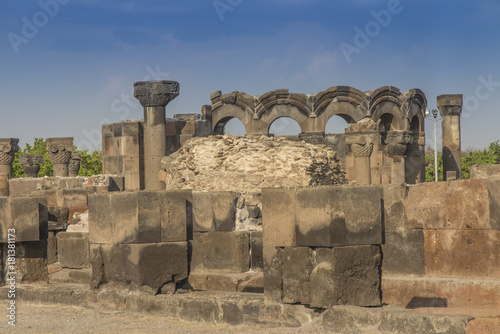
point(74, 164)
point(397, 143)
point(8, 148)
point(156, 93)
point(60, 150)
point(31, 164)
point(361, 145)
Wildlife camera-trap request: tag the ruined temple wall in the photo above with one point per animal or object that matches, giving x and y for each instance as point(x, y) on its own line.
point(442, 244)
point(123, 146)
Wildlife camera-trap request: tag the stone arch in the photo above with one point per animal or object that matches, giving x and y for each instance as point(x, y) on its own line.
point(386, 101)
point(282, 110)
point(344, 101)
point(225, 113)
point(285, 134)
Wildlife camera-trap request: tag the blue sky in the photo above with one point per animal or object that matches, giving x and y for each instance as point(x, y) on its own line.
point(75, 70)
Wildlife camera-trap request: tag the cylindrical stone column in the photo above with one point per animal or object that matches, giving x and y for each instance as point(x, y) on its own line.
point(74, 164)
point(450, 108)
point(31, 164)
point(8, 148)
point(154, 97)
point(60, 154)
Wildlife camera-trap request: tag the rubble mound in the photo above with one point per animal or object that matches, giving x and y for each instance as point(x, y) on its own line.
point(234, 163)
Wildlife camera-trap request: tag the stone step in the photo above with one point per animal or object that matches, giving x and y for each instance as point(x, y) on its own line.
point(390, 319)
point(413, 292)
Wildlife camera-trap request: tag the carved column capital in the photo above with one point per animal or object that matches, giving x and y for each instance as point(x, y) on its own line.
point(156, 93)
point(397, 142)
point(74, 164)
point(450, 104)
point(60, 150)
point(361, 145)
point(8, 148)
point(31, 164)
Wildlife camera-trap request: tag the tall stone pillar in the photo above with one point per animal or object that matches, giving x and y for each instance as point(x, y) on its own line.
point(362, 149)
point(415, 161)
point(8, 148)
point(31, 164)
point(60, 153)
point(450, 108)
point(397, 146)
point(154, 97)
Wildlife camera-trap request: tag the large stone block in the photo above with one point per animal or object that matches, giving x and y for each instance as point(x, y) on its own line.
point(337, 216)
point(73, 249)
point(462, 253)
point(28, 217)
point(75, 197)
point(425, 205)
point(138, 217)
point(298, 263)
point(221, 251)
point(394, 209)
point(273, 262)
point(485, 171)
point(214, 211)
point(278, 217)
point(459, 205)
point(151, 264)
point(30, 262)
point(404, 252)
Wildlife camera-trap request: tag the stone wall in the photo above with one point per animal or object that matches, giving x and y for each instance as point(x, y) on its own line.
point(248, 164)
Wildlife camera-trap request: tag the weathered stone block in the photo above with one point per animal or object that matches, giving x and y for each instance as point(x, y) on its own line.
point(256, 249)
point(214, 211)
point(73, 249)
point(346, 276)
point(31, 262)
point(298, 263)
point(138, 217)
point(485, 171)
point(462, 253)
point(58, 214)
point(223, 251)
point(24, 218)
point(404, 252)
point(151, 264)
point(75, 197)
point(174, 215)
point(394, 209)
point(278, 217)
point(100, 227)
point(273, 262)
point(337, 216)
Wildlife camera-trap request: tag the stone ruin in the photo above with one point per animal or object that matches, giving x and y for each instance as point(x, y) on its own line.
point(263, 230)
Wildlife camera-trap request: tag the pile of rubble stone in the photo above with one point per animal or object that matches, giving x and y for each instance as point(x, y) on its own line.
point(234, 163)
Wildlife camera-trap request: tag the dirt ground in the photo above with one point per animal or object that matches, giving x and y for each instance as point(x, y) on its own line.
point(50, 318)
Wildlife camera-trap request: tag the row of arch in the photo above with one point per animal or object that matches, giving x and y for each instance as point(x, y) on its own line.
point(387, 106)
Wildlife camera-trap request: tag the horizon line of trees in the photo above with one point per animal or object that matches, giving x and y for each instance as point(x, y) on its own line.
point(470, 157)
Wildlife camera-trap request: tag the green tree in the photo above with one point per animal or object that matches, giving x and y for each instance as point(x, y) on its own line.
point(90, 163)
point(429, 165)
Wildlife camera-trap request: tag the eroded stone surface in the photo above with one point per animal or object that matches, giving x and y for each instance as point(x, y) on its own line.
point(233, 163)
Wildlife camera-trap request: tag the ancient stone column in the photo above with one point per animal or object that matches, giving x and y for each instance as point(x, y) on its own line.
point(362, 149)
point(154, 97)
point(8, 148)
point(60, 153)
point(450, 108)
point(397, 146)
point(74, 164)
point(31, 164)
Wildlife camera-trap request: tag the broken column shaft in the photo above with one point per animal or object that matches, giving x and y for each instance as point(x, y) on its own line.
point(60, 153)
point(154, 97)
point(8, 148)
point(450, 107)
